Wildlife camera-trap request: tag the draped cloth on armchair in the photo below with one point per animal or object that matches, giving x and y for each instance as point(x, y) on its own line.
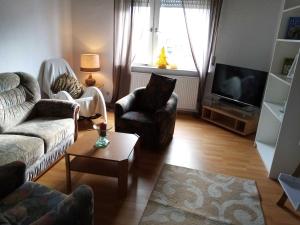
point(124, 12)
point(91, 102)
point(202, 40)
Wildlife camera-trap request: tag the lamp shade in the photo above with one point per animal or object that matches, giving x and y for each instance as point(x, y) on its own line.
point(89, 63)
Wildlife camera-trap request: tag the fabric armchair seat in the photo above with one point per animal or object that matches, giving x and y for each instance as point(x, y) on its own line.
point(155, 128)
point(31, 203)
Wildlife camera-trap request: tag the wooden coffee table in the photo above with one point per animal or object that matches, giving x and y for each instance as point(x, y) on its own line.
point(113, 161)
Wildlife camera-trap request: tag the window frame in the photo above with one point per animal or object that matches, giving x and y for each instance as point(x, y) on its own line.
point(155, 9)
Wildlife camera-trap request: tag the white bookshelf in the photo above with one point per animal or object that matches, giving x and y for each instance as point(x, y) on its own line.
point(278, 134)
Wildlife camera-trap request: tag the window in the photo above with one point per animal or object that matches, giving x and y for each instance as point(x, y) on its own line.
point(161, 23)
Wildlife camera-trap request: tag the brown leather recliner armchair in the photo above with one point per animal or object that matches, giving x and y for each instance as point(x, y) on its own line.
point(155, 128)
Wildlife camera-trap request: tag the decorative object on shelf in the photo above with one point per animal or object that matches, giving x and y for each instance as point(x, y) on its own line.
point(282, 110)
point(162, 59)
point(90, 63)
point(293, 30)
point(287, 65)
point(293, 67)
point(173, 66)
point(102, 129)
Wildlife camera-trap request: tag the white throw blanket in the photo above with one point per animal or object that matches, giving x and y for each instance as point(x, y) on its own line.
point(91, 102)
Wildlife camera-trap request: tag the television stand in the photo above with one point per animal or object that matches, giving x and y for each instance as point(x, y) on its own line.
point(229, 118)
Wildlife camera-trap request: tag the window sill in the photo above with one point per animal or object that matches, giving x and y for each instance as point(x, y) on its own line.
point(176, 72)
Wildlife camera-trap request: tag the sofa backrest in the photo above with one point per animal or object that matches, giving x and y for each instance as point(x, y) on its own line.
point(18, 94)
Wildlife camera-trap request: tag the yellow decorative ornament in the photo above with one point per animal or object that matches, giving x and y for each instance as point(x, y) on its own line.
point(162, 59)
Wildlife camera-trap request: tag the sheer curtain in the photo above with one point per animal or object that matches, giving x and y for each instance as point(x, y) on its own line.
point(124, 13)
point(202, 21)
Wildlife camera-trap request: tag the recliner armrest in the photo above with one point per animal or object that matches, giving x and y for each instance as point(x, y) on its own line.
point(77, 208)
point(168, 110)
point(126, 103)
point(12, 176)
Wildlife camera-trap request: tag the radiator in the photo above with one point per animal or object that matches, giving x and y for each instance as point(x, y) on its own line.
point(186, 88)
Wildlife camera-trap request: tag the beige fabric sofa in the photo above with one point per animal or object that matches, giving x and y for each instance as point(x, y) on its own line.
point(34, 131)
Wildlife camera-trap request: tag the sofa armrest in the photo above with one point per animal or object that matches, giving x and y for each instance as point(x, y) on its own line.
point(56, 108)
point(77, 208)
point(168, 110)
point(12, 176)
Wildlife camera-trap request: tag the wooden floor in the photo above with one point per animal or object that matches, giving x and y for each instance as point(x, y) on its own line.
point(196, 144)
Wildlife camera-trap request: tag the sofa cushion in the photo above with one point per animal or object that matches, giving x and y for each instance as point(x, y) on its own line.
point(69, 84)
point(3, 220)
point(16, 103)
point(157, 93)
point(8, 81)
point(52, 130)
point(28, 203)
point(22, 148)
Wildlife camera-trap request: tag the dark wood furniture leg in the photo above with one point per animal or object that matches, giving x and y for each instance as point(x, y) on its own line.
point(122, 178)
point(68, 174)
point(282, 200)
point(137, 149)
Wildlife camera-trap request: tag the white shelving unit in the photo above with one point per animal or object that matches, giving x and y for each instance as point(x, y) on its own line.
point(278, 135)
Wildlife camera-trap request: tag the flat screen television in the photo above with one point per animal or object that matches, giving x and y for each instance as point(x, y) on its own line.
point(240, 85)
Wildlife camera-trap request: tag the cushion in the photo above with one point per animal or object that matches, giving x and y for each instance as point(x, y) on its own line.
point(157, 93)
point(8, 81)
point(29, 202)
point(22, 148)
point(69, 84)
point(16, 104)
point(3, 220)
point(50, 129)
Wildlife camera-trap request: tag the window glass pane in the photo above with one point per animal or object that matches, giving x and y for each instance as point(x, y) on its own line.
point(172, 34)
point(142, 36)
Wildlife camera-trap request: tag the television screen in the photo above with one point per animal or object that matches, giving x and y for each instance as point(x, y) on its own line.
point(239, 84)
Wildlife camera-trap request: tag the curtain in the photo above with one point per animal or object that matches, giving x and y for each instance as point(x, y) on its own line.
point(124, 13)
point(123, 17)
point(202, 35)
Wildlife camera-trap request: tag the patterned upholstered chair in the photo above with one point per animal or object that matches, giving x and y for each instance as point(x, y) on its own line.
point(32, 130)
point(25, 203)
point(154, 123)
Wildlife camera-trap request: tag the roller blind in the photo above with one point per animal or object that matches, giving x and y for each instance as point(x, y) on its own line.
point(179, 3)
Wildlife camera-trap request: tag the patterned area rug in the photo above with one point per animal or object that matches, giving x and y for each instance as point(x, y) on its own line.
point(192, 197)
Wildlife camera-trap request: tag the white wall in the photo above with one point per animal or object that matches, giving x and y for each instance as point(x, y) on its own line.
point(32, 31)
point(93, 33)
point(247, 33)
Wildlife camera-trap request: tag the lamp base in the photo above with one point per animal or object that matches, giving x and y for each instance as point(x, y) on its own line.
point(90, 81)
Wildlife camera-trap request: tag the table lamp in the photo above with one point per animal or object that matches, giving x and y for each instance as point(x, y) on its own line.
point(90, 63)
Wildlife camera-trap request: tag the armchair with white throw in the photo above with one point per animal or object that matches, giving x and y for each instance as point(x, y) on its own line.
point(91, 102)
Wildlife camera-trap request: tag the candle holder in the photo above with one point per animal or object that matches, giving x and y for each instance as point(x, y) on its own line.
point(102, 129)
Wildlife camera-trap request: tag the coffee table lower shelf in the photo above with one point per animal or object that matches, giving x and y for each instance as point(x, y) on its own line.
point(117, 169)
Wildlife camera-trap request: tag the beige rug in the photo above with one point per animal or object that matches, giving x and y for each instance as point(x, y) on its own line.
point(192, 197)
